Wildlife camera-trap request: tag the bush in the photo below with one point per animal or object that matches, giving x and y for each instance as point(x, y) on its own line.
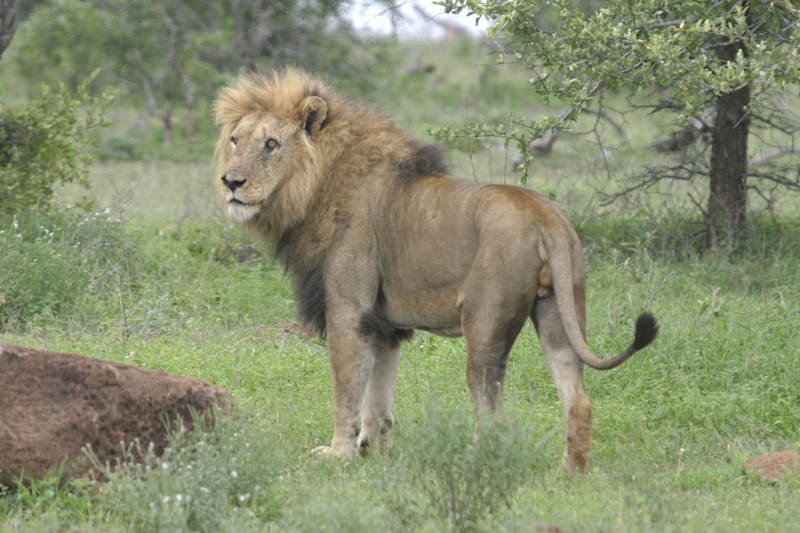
point(467, 475)
point(42, 143)
point(53, 266)
point(218, 480)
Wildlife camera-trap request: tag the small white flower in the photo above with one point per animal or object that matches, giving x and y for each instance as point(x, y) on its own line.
point(234, 475)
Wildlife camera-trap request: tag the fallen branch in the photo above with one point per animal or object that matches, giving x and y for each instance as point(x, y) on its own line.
point(687, 135)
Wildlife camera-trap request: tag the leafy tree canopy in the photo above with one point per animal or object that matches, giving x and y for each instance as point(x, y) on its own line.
point(575, 50)
point(725, 53)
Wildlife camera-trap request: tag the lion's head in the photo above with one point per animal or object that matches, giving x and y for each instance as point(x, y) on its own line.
point(268, 163)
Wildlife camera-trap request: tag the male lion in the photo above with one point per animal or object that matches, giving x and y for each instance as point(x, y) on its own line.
point(380, 241)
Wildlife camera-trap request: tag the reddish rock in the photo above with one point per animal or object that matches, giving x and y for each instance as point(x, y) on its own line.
point(53, 404)
point(775, 466)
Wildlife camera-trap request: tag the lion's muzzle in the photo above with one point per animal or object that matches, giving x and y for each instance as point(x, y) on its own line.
point(232, 184)
point(238, 209)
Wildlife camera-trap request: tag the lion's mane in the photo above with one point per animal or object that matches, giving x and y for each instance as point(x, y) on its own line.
point(301, 220)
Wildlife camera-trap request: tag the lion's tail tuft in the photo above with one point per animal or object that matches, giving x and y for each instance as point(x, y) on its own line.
point(646, 331)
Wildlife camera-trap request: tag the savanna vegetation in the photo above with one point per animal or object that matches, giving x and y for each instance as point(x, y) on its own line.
point(127, 257)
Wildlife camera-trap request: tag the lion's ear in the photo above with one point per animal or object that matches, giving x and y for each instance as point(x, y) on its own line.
point(313, 111)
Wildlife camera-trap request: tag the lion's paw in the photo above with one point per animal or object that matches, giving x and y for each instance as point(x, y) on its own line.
point(327, 451)
point(323, 451)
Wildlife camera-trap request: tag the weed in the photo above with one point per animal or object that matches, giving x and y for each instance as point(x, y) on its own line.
point(467, 474)
point(205, 481)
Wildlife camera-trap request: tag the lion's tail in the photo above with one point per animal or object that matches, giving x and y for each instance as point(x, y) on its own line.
point(561, 271)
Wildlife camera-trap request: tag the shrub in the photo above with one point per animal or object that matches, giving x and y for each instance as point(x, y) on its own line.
point(42, 143)
point(468, 475)
point(56, 265)
point(218, 480)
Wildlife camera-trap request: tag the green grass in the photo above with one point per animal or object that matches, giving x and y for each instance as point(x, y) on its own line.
point(673, 426)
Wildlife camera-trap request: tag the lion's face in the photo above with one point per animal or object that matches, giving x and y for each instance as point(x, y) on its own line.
point(259, 160)
point(269, 160)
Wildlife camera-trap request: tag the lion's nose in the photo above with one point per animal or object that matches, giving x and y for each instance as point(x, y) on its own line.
point(232, 184)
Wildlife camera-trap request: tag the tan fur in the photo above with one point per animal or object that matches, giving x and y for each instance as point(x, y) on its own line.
point(380, 241)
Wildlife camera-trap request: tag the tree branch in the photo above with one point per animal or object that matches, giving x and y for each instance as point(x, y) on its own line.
point(781, 4)
point(602, 114)
point(773, 154)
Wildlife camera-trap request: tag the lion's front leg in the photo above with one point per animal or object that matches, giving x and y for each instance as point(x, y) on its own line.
point(351, 359)
point(376, 410)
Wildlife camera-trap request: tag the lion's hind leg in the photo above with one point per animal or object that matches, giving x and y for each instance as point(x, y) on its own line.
point(490, 327)
point(567, 371)
point(496, 301)
point(376, 408)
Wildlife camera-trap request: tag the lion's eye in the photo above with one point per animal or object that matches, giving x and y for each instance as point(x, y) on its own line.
point(270, 146)
point(233, 143)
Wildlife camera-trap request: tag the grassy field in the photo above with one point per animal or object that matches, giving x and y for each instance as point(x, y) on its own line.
point(157, 278)
point(176, 288)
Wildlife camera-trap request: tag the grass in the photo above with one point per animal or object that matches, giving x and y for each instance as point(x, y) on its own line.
point(673, 426)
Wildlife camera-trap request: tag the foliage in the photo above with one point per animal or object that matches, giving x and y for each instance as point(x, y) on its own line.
point(169, 57)
point(39, 45)
point(43, 144)
point(575, 52)
point(696, 54)
point(204, 481)
point(466, 475)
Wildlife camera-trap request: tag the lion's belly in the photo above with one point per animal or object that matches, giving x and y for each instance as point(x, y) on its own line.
point(436, 311)
point(448, 332)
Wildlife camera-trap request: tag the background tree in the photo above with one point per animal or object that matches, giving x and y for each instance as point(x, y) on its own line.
point(171, 55)
point(42, 143)
point(725, 53)
point(8, 22)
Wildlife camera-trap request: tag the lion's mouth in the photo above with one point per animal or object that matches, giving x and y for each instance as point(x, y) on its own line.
point(233, 200)
point(241, 211)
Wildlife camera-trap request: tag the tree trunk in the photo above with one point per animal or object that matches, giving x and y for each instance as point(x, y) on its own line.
point(8, 22)
point(190, 96)
point(166, 119)
point(727, 203)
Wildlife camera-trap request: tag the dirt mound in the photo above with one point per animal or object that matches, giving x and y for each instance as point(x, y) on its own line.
point(775, 466)
point(53, 404)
